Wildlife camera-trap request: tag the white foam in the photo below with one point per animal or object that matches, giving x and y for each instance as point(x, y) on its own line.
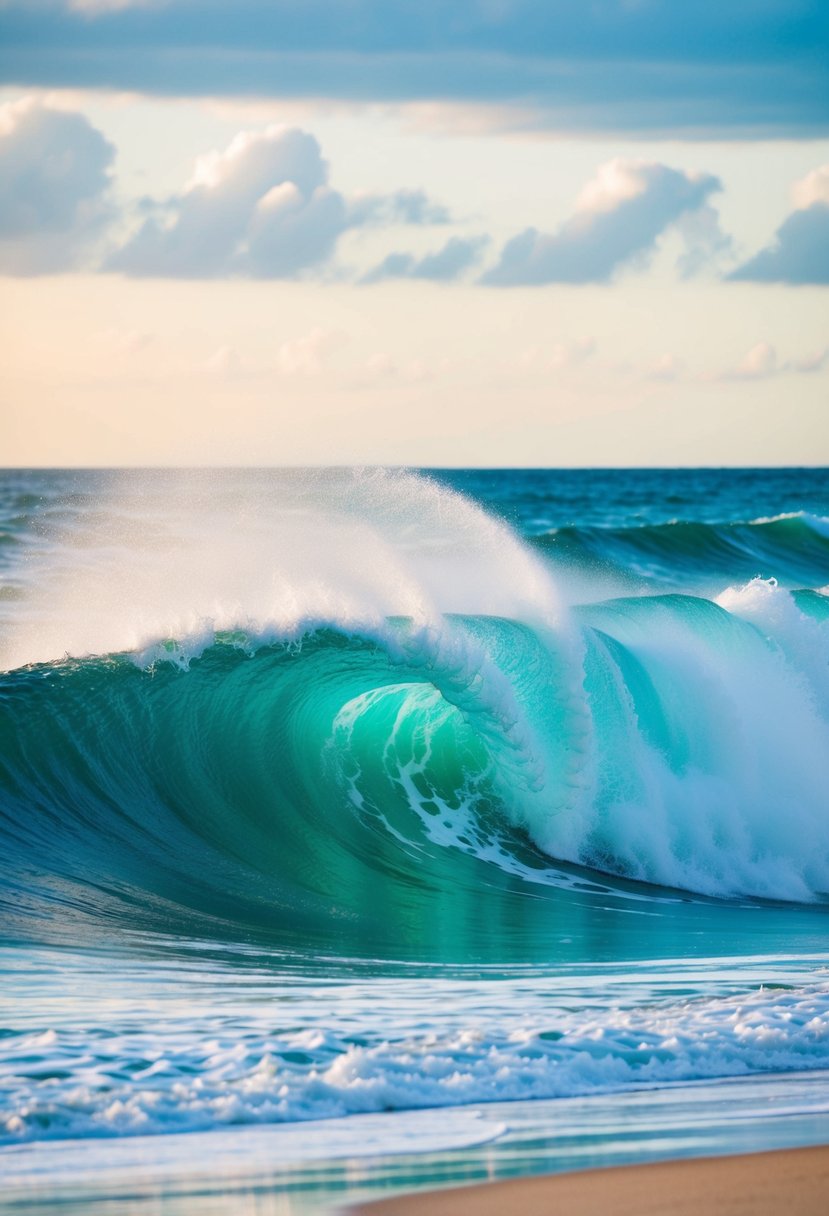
point(198, 1083)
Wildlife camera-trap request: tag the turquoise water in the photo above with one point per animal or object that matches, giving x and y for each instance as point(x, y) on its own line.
point(333, 799)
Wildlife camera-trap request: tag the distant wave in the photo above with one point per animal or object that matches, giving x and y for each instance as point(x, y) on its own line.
point(793, 548)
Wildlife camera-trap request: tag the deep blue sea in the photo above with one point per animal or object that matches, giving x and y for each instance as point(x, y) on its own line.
point(378, 829)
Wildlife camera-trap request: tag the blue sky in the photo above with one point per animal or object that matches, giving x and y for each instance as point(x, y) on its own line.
point(473, 232)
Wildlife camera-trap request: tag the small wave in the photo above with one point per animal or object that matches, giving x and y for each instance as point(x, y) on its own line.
point(148, 1082)
point(792, 547)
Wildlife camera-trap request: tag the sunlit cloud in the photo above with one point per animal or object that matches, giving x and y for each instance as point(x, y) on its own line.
point(308, 354)
point(762, 362)
point(55, 181)
point(799, 252)
point(262, 207)
point(619, 218)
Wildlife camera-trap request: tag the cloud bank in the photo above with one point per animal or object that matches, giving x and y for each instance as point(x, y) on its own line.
point(618, 65)
point(264, 208)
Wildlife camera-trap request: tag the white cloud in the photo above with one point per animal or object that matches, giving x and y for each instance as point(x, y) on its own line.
point(616, 181)
point(813, 188)
point(125, 341)
point(442, 266)
point(758, 363)
point(761, 362)
point(564, 354)
point(619, 218)
point(54, 183)
point(799, 253)
point(814, 362)
point(306, 355)
point(262, 208)
point(668, 367)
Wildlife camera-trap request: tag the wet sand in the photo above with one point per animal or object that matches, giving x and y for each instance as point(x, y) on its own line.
point(791, 1182)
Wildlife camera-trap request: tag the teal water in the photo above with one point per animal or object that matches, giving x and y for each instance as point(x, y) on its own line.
point(332, 798)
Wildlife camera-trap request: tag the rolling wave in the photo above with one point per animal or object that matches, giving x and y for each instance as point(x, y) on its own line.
point(324, 712)
point(340, 782)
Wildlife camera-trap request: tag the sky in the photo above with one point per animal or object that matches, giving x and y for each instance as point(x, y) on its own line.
point(467, 232)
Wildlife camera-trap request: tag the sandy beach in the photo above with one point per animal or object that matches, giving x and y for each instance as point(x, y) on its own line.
point(792, 1181)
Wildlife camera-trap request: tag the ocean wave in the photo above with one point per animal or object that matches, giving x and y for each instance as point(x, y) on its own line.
point(236, 778)
point(314, 713)
point(83, 1082)
point(791, 547)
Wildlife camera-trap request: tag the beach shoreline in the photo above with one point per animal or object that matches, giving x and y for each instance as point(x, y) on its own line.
point(794, 1180)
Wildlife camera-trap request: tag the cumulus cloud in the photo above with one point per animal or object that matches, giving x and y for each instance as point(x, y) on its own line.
point(814, 362)
point(445, 264)
point(307, 354)
point(761, 362)
point(813, 188)
point(619, 218)
point(262, 208)
point(54, 185)
point(668, 367)
point(799, 253)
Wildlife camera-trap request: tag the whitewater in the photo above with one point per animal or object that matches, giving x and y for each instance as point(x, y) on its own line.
point(328, 797)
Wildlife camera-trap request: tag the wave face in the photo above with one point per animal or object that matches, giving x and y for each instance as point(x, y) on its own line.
point(318, 706)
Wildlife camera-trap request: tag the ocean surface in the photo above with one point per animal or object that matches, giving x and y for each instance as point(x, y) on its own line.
point(367, 829)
